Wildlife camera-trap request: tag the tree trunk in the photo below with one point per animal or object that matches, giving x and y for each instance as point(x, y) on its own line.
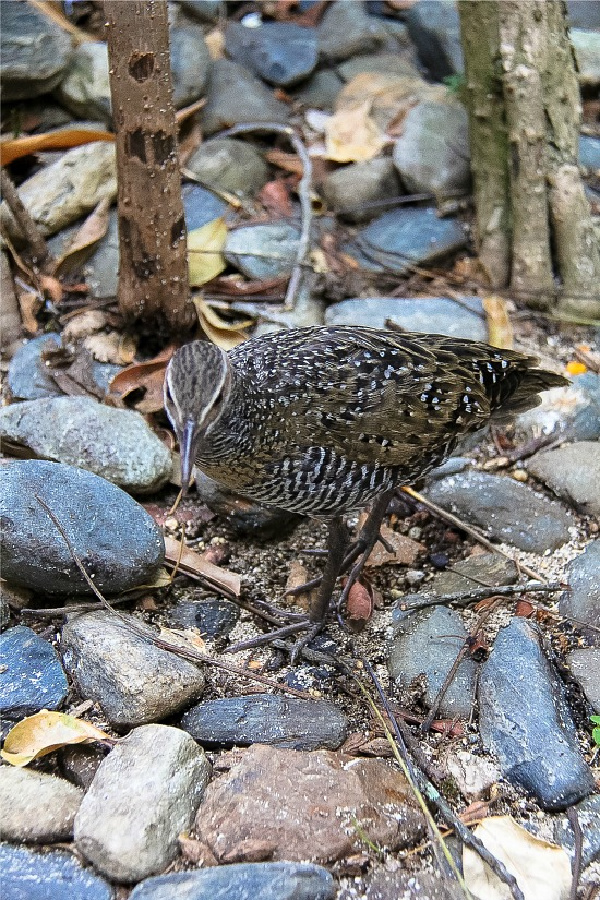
point(153, 274)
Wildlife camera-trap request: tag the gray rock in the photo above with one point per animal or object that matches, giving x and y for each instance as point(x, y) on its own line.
point(28, 377)
point(588, 814)
point(346, 30)
point(34, 52)
point(584, 663)
point(402, 238)
point(118, 542)
point(572, 412)
point(583, 14)
point(116, 444)
point(48, 876)
point(506, 510)
point(54, 800)
point(587, 53)
point(85, 90)
point(133, 681)
point(434, 28)
point(320, 91)
point(147, 790)
point(432, 154)
point(11, 325)
point(396, 884)
point(79, 763)
point(582, 602)
point(280, 52)
point(381, 63)
point(31, 677)
point(201, 206)
point(229, 165)
point(467, 575)
point(212, 616)
point(267, 880)
point(267, 719)
point(589, 151)
point(573, 473)
point(275, 248)
point(349, 189)
point(427, 643)
point(190, 62)
point(525, 721)
point(204, 10)
point(427, 315)
point(234, 95)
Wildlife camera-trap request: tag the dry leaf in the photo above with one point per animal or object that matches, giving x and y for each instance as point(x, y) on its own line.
point(404, 550)
point(224, 334)
point(542, 869)
point(44, 732)
point(359, 607)
point(206, 248)
point(30, 304)
point(183, 638)
point(62, 139)
point(275, 197)
point(82, 243)
point(500, 333)
point(215, 41)
point(193, 563)
point(351, 135)
point(112, 347)
point(148, 376)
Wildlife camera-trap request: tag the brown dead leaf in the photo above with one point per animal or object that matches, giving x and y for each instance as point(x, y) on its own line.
point(391, 96)
point(236, 286)
point(194, 563)
point(289, 162)
point(275, 197)
point(84, 240)
point(44, 732)
point(351, 135)
point(30, 304)
point(215, 41)
point(500, 332)
point(62, 139)
point(147, 376)
point(359, 607)
point(51, 287)
point(475, 812)
point(404, 550)
point(224, 334)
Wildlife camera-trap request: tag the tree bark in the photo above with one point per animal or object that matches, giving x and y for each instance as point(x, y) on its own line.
point(153, 274)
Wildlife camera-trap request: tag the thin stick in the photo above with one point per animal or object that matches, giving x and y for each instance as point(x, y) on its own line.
point(576, 867)
point(32, 233)
point(465, 598)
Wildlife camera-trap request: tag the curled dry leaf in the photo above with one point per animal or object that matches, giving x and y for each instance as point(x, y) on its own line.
point(359, 607)
point(224, 334)
point(193, 563)
point(84, 240)
point(30, 304)
point(147, 377)
point(206, 246)
point(44, 732)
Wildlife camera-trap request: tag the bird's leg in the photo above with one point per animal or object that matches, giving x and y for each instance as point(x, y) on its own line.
point(337, 542)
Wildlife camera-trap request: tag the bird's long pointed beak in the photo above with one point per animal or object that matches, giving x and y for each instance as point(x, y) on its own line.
point(187, 450)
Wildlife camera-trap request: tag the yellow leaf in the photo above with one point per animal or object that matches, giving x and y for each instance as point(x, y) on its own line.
point(576, 368)
point(205, 249)
point(351, 135)
point(224, 334)
point(44, 732)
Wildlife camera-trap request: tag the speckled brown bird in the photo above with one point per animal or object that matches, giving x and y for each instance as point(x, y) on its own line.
point(323, 421)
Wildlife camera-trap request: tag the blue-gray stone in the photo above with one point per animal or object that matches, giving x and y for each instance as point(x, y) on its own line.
point(582, 601)
point(588, 814)
point(346, 30)
point(31, 676)
point(119, 544)
point(267, 719)
point(190, 62)
point(226, 164)
point(434, 28)
point(525, 720)
point(212, 616)
point(28, 377)
point(572, 472)
point(429, 315)
point(432, 153)
point(200, 206)
point(270, 250)
point(204, 10)
point(34, 52)
point(234, 95)
point(402, 238)
point(571, 413)
point(280, 52)
point(48, 876)
point(267, 880)
point(589, 151)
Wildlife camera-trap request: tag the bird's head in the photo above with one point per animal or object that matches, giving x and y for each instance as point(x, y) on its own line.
point(197, 386)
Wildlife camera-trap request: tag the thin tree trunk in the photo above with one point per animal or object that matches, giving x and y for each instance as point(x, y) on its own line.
point(153, 274)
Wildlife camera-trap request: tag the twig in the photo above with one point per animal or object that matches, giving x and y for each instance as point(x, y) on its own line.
point(576, 866)
point(32, 233)
point(477, 594)
point(472, 531)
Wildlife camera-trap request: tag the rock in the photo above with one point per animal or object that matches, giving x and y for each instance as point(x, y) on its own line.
point(275, 248)
point(427, 643)
point(201, 206)
point(402, 238)
point(85, 90)
point(31, 676)
point(34, 52)
point(67, 189)
point(204, 10)
point(243, 516)
point(439, 315)
point(589, 151)
point(118, 542)
point(350, 189)
point(573, 473)
point(48, 876)
point(582, 602)
point(190, 62)
point(234, 95)
point(432, 154)
point(298, 806)
point(79, 763)
point(11, 326)
point(587, 53)
point(267, 880)
point(473, 775)
point(467, 575)
point(584, 663)
point(229, 165)
point(116, 444)
point(525, 721)
point(212, 616)
point(571, 412)
point(279, 52)
point(131, 679)
point(504, 509)
point(396, 884)
point(588, 814)
point(147, 791)
point(346, 30)
point(320, 91)
point(434, 28)
point(583, 14)
point(383, 63)
point(28, 376)
point(267, 719)
point(54, 800)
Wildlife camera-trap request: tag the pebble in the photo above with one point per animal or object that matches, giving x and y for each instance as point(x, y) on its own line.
point(212, 616)
point(571, 412)
point(204, 10)
point(226, 164)
point(27, 875)
point(573, 473)
point(34, 52)
point(190, 64)
point(589, 151)
point(28, 375)
point(432, 154)
point(116, 444)
point(275, 248)
point(118, 542)
point(234, 95)
point(440, 315)
point(147, 791)
point(346, 30)
point(582, 575)
point(584, 663)
point(132, 680)
point(504, 509)
point(305, 807)
point(320, 91)
point(85, 90)
point(473, 775)
point(79, 763)
point(434, 28)
point(350, 190)
point(267, 719)
point(200, 205)
point(279, 52)
point(382, 63)
point(427, 643)
point(31, 676)
point(54, 800)
point(267, 880)
point(525, 721)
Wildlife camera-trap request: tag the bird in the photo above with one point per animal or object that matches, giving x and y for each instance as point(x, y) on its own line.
point(326, 420)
